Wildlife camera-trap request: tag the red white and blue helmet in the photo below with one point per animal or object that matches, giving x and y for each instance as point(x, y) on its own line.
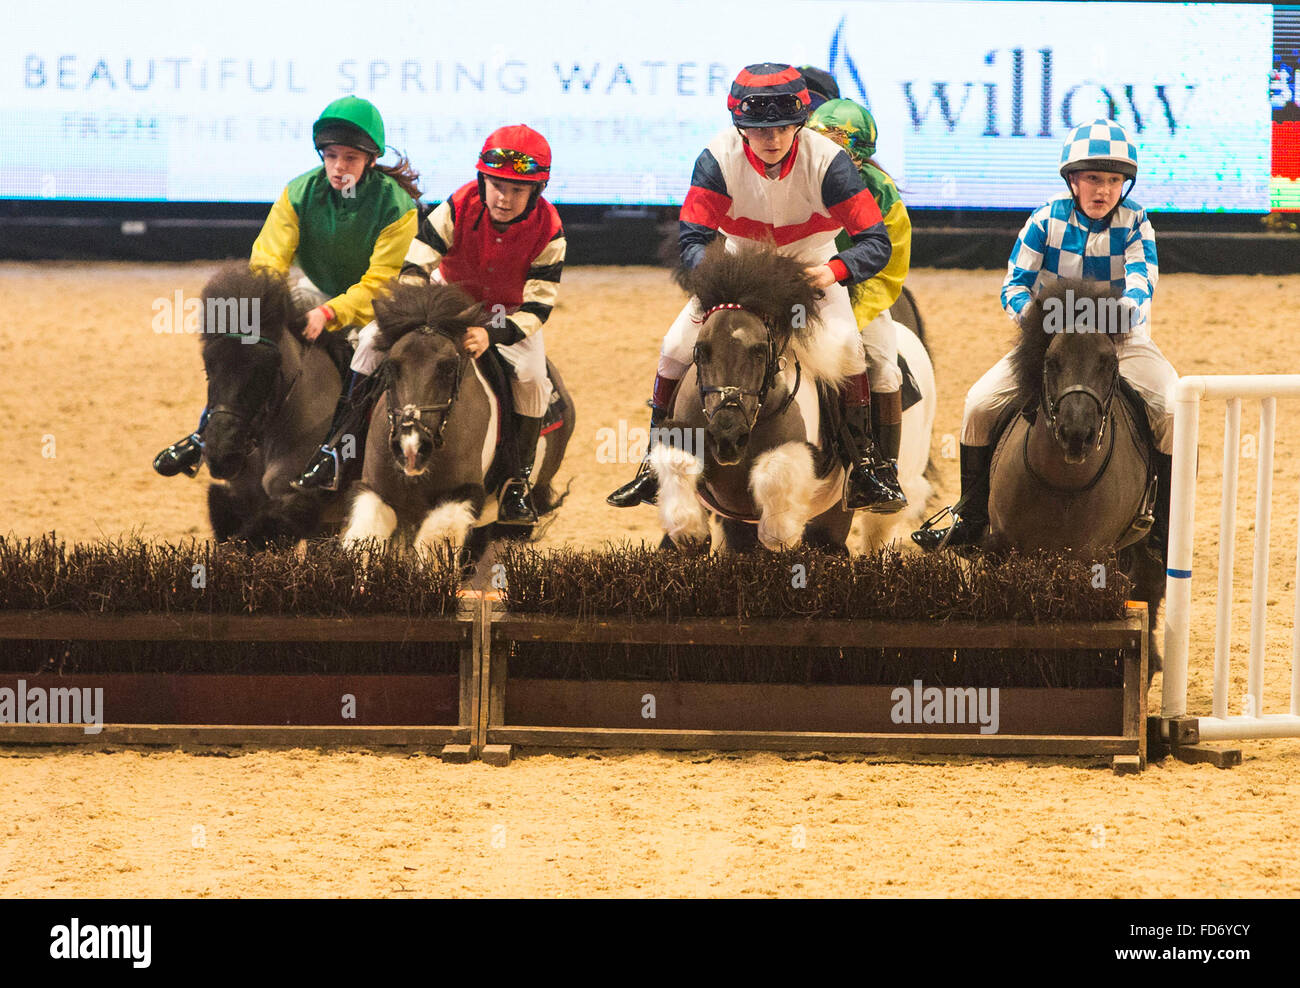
point(1102, 145)
point(769, 94)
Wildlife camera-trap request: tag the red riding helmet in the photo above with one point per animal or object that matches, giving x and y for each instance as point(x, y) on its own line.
point(769, 94)
point(517, 154)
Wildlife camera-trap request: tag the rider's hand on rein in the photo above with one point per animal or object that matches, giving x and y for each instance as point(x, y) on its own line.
point(316, 320)
point(475, 341)
point(821, 277)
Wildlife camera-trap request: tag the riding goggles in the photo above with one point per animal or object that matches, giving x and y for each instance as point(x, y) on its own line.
point(517, 161)
point(772, 107)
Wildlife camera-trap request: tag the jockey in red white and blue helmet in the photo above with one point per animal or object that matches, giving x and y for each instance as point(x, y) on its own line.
point(766, 181)
point(1092, 232)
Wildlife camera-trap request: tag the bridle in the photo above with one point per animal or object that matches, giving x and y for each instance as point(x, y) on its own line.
point(1052, 404)
point(412, 416)
point(1050, 407)
point(733, 396)
point(252, 426)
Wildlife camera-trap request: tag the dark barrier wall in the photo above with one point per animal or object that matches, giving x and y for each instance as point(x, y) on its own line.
point(1191, 242)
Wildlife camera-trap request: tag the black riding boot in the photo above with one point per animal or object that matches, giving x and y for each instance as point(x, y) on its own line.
point(326, 470)
point(515, 505)
point(185, 455)
point(887, 425)
point(644, 487)
point(1158, 540)
point(872, 481)
point(971, 513)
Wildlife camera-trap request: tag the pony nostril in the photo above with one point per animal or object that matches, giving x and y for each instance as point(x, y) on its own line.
point(742, 440)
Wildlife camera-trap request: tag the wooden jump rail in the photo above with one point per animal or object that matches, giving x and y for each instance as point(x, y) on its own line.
point(605, 713)
point(263, 707)
point(493, 712)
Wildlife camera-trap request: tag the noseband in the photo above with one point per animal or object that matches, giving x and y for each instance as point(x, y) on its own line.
point(412, 416)
point(1052, 404)
point(733, 396)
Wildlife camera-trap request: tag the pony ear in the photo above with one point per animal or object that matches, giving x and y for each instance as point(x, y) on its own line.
point(470, 315)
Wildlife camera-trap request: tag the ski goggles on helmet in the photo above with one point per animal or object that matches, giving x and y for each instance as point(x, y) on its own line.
point(507, 159)
point(779, 106)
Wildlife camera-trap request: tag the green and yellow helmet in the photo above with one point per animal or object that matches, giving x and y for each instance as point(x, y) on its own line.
point(849, 125)
point(353, 122)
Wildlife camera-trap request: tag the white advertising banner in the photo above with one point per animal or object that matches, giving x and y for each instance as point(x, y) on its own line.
point(169, 100)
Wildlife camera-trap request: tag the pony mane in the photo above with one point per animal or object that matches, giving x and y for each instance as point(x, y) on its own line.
point(1030, 352)
point(431, 307)
point(771, 285)
point(241, 281)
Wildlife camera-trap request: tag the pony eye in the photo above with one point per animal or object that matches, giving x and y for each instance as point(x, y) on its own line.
point(758, 350)
point(703, 351)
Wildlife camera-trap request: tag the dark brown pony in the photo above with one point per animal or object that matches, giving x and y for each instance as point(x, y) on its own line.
point(270, 398)
point(1076, 478)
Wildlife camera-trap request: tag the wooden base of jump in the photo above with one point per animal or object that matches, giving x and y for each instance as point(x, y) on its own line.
point(435, 710)
point(1181, 738)
point(780, 717)
point(482, 712)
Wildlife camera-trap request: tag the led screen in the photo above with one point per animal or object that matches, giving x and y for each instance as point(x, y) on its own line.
point(153, 100)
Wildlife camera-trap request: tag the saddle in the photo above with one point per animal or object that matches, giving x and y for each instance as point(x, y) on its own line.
point(339, 350)
point(497, 373)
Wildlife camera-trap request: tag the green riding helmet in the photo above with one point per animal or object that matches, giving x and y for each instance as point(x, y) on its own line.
point(353, 122)
point(849, 125)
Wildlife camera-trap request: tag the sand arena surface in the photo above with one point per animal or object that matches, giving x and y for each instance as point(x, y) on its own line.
point(91, 383)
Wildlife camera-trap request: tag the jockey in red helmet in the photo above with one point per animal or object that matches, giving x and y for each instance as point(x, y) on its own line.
point(763, 181)
point(500, 241)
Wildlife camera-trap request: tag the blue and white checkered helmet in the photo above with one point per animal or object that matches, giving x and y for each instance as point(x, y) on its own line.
point(1102, 145)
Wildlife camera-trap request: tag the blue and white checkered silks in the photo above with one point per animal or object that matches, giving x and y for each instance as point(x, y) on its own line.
point(1058, 241)
point(1102, 139)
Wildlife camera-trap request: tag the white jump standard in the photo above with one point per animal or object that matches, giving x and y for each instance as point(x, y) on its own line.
point(1252, 723)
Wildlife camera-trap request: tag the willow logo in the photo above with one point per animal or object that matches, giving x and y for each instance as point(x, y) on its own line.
point(952, 705)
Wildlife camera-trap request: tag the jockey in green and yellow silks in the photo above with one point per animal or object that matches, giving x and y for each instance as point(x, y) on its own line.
point(853, 128)
point(346, 224)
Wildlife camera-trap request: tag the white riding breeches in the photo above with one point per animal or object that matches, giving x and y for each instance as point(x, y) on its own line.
point(880, 340)
point(1140, 363)
point(838, 343)
point(529, 384)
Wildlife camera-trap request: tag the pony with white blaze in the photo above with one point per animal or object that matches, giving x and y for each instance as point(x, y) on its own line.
point(749, 456)
point(428, 473)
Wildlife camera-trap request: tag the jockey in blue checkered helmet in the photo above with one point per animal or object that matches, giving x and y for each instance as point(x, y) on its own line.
point(1101, 145)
